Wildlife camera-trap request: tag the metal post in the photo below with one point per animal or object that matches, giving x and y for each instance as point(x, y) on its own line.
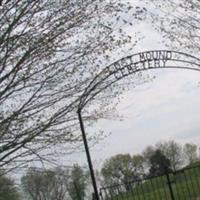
point(96, 195)
point(170, 186)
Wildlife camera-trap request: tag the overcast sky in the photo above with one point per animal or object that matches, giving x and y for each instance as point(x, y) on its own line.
point(163, 109)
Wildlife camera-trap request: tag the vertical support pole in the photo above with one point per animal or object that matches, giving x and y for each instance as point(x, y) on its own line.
point(170, 186)
point(96, 195)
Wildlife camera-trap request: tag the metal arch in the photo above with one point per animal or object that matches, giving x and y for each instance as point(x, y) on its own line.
point(124, 67)
point(131, 64)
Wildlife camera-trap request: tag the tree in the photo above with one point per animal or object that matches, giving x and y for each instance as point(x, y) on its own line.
point(122, 168)
point(159, 164)
point(77, 184)
point(138, 164)
point(173, 151)
point(40, 184)
point(147, 154)
point(49, 53)
point(8, 190)
point(118, 169)
point(55, 184)
point(178, 22)
point(190, 151)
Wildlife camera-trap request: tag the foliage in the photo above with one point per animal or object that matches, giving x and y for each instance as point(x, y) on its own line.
point(77, 184)
point(159, 164)
point(178, 21)
point(190, 152)
point(122, 168)
point(186, 186)
point(138, 165)
point(55, 184)
point(165, 155)
point(8, 190)
point(173, 151)
point(45, 184)
point(147, 154)
point(49, 53)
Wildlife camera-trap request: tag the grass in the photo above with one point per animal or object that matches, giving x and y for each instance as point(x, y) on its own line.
point(185, 185)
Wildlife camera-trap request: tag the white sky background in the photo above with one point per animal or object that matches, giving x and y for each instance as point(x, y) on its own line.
point(166, 108)
point(163, 109)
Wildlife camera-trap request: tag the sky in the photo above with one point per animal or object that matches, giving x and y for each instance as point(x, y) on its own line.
point(166, 108)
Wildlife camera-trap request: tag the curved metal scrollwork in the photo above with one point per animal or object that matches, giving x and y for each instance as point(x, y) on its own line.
point(134, 63)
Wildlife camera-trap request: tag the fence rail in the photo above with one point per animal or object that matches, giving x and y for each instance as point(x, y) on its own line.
point(180, 185)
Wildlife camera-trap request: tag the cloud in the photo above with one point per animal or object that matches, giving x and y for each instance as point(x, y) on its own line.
point(167, 108)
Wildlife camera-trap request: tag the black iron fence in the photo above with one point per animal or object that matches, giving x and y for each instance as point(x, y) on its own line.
point(180, 185)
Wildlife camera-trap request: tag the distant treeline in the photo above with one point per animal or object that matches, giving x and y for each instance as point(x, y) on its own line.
point(154, 160)
point(74, 183)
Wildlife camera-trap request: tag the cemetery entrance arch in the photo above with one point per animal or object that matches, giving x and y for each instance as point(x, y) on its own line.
point(124, 67)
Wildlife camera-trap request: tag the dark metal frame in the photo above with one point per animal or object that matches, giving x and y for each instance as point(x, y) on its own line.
point(184, 182)
point(88, 156)
point(122, 68)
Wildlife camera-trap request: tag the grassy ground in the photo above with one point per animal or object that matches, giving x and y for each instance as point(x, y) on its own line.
point(185, 186)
